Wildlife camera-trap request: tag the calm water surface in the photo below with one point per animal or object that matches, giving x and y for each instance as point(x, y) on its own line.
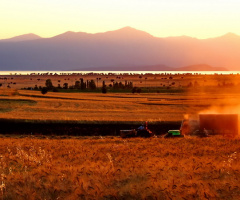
point(115, 72)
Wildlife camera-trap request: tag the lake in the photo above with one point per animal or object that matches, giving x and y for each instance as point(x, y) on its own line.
point(114, 72)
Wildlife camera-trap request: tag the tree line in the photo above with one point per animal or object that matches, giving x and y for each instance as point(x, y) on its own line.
point(85, 85)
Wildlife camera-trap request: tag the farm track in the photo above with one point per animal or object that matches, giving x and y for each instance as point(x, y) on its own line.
point(51, 97)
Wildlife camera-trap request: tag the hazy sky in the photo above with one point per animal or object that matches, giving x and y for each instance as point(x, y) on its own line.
point(161, 18)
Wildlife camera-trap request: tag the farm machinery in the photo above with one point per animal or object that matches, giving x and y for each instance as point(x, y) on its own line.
point(207, 125)
point(141, 131)
point(174, 133)
point(211, 124)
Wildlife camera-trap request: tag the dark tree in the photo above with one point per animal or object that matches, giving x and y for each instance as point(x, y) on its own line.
point(130, 85)
point(82, 85)
point(92, 85)
point(36, 87)
point(87, 84)
point(77, 85)
point(134, 90)
point(115, 85)
point(120, 85)
point(103, 84)
point(104, 88)
point(98, 79)
point(65, 85)
point(139, 90)
point(44, 90)
point(49, 84)
point(55, 89)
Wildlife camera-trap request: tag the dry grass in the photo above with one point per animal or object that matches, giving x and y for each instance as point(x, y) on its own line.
point(8, 92)
point(112, 168)
point(93, 107)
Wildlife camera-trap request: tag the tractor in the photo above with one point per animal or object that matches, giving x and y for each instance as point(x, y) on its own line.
point(141, 131)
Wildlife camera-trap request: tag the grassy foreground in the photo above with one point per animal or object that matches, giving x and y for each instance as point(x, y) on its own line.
point(113, 168)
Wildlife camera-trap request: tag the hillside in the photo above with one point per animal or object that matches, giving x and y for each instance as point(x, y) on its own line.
point(126, 48)
point(201, 67)
point(21, 38)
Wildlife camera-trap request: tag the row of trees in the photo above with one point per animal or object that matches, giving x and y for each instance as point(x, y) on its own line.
point(83, 85)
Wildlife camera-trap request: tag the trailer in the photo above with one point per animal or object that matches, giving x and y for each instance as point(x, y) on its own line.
point(219, 124)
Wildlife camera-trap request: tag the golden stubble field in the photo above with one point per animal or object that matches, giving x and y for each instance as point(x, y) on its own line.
point(115, 107)
point(113, 168)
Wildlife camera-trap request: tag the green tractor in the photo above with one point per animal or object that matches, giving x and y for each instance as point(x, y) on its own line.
point(173, 133)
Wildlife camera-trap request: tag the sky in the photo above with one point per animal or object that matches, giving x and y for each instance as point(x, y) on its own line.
point(161, 18)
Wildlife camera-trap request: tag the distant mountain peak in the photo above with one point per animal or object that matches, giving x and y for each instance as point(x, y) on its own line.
point(66, 34)
point(130, 29)
point(25, 37)
point(71, 35)
point(127, 28)
point(231, 36)
point(129, 32)
point(200, 67)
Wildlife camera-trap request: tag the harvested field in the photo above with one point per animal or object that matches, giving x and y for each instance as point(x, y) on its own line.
point(114, 107)
point(112, 168)
point(51, 165)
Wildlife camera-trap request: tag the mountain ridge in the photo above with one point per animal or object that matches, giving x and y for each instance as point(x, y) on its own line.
point(126, 47)
point(24, 37)
point(199, 67)
point(125, 30)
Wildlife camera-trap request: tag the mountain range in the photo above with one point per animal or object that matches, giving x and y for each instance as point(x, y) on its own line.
point(120, 50)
